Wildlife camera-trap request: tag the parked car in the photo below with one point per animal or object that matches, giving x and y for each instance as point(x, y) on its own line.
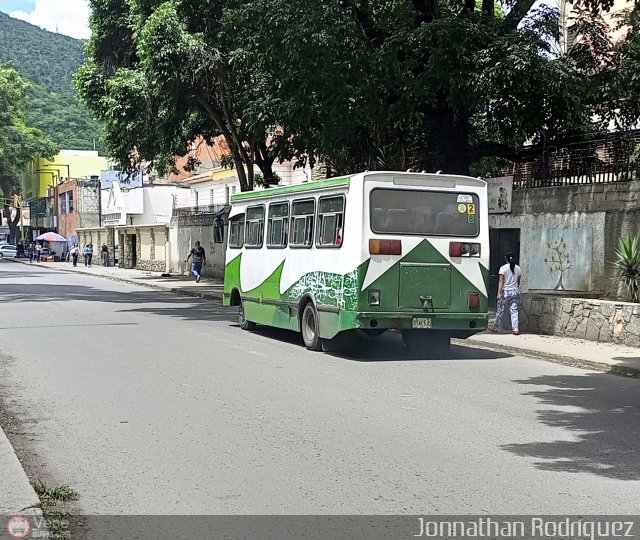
point(9, 251)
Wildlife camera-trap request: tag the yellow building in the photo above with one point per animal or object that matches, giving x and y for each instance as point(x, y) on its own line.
point(67, 165)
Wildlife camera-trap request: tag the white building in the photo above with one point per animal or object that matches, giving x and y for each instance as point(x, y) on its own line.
point(135, 224)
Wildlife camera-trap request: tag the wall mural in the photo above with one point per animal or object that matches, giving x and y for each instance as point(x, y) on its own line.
point(560, 259)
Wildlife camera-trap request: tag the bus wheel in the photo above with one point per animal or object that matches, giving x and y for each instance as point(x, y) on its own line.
point(244, 323)
point(309, 326)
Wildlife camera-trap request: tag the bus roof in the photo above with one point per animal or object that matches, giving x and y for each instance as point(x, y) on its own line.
point(345, 181)
point(294, 188)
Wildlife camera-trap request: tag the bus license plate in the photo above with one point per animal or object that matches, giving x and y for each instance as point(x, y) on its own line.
point(422, 322)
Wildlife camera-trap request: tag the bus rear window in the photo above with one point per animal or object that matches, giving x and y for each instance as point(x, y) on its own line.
point(425, 213)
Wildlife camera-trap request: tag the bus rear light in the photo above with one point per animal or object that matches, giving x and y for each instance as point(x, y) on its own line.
point(474, 300)
point(385, 247)
point(374, 298)
point(463, 249)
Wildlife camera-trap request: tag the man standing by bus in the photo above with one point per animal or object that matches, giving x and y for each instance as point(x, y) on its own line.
point(199, 260)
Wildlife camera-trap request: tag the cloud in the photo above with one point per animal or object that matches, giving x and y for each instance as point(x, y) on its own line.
point(69, 17)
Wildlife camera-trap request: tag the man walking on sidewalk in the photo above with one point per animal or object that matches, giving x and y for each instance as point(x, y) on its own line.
point(104, 255)
point(199, 260)
point(75, 251)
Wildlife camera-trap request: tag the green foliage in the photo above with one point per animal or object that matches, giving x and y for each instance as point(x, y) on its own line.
point(361, 84)
point(49, 61)
point(19, 143)
point(627, 266)
point(405, 84)
point(157, 75)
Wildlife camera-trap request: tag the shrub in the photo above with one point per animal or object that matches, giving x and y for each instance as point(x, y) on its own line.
point(627, 265)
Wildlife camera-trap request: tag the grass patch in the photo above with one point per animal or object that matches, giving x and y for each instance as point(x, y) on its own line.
point(58, 520)
point(61, 493)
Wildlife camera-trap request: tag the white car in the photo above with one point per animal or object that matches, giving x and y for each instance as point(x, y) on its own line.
point(9, 251)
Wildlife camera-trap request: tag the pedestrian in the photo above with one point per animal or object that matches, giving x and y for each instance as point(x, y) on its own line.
point(508, 294)
point(31, 252)
point(88, 254)
point(38, 249)
point(104, 255)
point(199, 260)
point(75, 251)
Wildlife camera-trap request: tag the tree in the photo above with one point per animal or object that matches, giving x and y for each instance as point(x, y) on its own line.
point(424, 84)
point(158, 74)
point(19, 143)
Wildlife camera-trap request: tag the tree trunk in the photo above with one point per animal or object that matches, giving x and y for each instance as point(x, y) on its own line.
point(13, 224)
point(449, 139)
point(264, 162)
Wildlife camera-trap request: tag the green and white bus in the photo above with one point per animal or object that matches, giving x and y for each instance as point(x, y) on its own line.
point(372, 252)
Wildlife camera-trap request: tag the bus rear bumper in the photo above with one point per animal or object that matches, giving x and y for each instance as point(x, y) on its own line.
point(460, 324)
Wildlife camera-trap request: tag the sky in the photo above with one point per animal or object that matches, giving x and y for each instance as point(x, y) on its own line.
point(69, 17)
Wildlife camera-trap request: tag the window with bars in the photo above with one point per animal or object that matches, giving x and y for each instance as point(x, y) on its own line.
point(255, 227)
point(302, 222)
point(278, 225)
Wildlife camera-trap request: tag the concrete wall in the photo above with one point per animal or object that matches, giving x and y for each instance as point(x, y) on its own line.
point(608, 210)
point(185, 231)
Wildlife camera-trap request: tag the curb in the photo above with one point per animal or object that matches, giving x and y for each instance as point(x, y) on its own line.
point(555, 358)
point(174, 290)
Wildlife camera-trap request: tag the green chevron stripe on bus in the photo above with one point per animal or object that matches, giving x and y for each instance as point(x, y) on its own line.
point(372, 252)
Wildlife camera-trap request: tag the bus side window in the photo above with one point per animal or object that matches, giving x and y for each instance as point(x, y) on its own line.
point(278, 225)
point(236, 231)
point(330, 221)
point(302, 223)
point(255, 227)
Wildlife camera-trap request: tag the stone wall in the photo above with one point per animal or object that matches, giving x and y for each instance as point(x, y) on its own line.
point(610, 211)
point(595, 320)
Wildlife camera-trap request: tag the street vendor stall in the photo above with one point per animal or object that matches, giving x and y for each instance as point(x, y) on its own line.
point(54, 247)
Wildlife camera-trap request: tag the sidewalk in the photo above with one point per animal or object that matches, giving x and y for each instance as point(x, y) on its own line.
point(179, 284)
point(609, 357)
point(20, 495)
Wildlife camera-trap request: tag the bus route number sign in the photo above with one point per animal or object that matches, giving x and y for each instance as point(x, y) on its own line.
point(422, 322)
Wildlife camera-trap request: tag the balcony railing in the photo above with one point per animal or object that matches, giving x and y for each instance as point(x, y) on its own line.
point(198, 210)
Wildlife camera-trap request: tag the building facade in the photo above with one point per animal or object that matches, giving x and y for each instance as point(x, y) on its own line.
point(135, 225)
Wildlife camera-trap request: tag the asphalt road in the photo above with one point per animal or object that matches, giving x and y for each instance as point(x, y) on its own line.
point(146, 402)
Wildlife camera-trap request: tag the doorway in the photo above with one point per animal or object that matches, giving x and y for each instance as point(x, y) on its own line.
point(134, 251)
point(501, 242)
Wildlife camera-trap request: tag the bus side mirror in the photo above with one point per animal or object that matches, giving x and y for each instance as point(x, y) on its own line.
point(218, 231)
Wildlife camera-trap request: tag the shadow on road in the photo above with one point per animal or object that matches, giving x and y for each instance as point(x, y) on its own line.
point(386, 348)
point(603, 413)
point(152, 301)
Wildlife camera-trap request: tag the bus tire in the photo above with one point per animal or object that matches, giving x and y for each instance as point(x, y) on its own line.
point(244, 323)
point(309, 325)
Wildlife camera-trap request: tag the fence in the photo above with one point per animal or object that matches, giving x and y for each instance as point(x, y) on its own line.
point(579, 173)
point(198, 210)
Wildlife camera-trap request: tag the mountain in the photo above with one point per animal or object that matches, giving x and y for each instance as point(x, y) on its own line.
point(49, 61)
